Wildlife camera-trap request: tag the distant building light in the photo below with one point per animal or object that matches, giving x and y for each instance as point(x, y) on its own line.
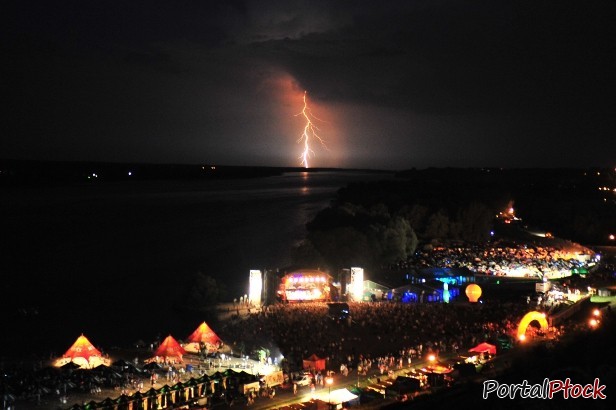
point(130, 173)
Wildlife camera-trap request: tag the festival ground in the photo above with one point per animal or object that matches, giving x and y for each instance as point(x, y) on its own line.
point(284, 397)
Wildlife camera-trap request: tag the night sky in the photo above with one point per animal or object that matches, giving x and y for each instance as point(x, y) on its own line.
point(394, 84)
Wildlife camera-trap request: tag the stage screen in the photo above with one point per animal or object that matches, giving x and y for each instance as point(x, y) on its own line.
point(312, 285)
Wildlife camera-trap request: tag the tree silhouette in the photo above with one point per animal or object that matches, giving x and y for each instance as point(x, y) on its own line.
point(203, 290)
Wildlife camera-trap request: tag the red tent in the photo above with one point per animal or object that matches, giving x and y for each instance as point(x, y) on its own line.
point(483, 348)
point(82, 348)
point(204, 334)
point(170, 348)
point(314, 362)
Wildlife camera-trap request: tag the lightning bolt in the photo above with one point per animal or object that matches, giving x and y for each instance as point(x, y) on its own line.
point(310, 131)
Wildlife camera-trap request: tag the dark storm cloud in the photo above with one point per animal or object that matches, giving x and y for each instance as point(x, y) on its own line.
point(409, 83)
point(461, 56)
point(475, 76)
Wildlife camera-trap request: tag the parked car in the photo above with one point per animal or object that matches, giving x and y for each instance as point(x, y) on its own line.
point(304, 380)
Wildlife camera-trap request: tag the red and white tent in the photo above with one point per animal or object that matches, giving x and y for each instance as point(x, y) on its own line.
point(314, 362)
point(83, 353)
point(170, 348)
point(203, 334)
point(82, 348)
point(484, 348)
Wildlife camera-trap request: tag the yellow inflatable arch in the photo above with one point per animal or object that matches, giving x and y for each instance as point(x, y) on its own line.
point(529, 317)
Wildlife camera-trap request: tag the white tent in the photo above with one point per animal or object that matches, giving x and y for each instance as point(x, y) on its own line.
point(338, 396)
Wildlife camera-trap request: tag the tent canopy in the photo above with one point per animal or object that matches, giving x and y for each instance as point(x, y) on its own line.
point(483, 348)
point(170, 348)
point(82, 348)
point(204, 334)
point(338, 396)
point(342, 396)
point(314, 362)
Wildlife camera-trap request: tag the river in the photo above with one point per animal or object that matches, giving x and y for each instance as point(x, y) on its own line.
point(109, 260)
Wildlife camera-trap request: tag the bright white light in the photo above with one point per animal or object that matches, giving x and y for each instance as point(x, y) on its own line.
point(357, 283)
point(256, 287)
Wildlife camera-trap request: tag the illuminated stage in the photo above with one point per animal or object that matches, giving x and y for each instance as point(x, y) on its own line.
point(305, 285)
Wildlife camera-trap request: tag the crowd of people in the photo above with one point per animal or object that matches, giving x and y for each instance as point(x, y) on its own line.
point(375, 333)
point(384, 329)
point(383, 335)
point(500, 258)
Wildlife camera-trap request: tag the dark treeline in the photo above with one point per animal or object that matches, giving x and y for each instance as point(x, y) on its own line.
point(385, 221)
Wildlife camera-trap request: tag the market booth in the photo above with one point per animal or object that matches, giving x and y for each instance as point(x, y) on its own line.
point(338, 399)
point(481, 353)
point(380, 387)
point(437, 374)
point(484, 348)
point(403, 385)
point(314, 362)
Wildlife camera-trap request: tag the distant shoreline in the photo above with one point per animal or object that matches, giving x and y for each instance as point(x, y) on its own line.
point(27, 172)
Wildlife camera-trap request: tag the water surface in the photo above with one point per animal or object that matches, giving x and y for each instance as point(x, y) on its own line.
point(109, 260)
